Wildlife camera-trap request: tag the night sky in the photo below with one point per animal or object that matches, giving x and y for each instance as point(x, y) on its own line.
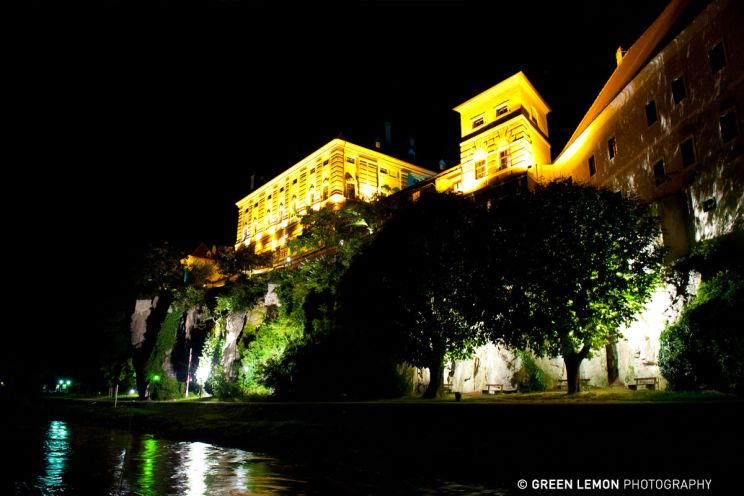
point(127, 124)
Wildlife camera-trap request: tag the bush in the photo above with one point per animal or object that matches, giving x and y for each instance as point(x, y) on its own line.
point(705, 347)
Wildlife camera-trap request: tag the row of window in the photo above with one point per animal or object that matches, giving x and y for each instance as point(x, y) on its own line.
point(481, 168)
point(727, 126)
point(501, 109)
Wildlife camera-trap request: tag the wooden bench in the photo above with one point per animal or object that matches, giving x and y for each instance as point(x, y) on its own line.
point(649, 382)
point(447, 388)
point(564, 382)
point(493, 388)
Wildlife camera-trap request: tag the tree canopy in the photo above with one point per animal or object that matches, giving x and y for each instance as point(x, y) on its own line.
point(589, 259)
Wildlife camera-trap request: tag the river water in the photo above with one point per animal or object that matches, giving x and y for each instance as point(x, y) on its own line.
point(61, 458)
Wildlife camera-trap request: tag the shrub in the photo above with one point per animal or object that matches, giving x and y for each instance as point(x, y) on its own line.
point(705, 347)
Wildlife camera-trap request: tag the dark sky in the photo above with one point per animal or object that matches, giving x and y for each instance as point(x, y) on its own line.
point(126, 124)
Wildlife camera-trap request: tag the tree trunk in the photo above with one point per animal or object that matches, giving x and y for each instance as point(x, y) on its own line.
point(436, 369)
point(573, 367)
point(613, 370)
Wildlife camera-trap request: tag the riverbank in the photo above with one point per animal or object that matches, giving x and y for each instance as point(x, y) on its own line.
point(495, 443)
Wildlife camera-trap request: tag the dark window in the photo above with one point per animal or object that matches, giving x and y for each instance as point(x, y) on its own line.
point(383, 171)
point(679, 92)
point(294, 181)
point(611, 147)
point(478, 122)
point(729, 129)
point(687, 150)
point(717, 57)
point(651, 116)
point(592, 166)
point(480, 169)
point(501, 110)
point(659, 174)
point(350, 160)
point(503, 159)
point(325, 162)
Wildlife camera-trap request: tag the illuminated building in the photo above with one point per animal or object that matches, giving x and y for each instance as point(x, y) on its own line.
point(269, 216)
point(503, 132)
point(667, 126)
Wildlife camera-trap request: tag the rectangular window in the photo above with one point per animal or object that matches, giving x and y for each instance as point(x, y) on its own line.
point(592, 166)
point(659, 173)
point(503, 159)
point(687, 150)
point(717, 57)
point(294, 181)
point(480, 169)
point(478, 121)
point(350, 160)
point(611, 148)
point(729, 128)
point(679, 91)
point(502, 110)
point(651, 115)
point(383, 171)
point(325, 162)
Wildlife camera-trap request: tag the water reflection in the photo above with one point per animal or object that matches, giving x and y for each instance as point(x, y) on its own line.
point(90, 460)
point(56, 453)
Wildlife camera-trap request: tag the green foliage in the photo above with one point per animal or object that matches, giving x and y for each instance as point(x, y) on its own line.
point(240, 295)
point(412, 289)
point(266, 343)
point(166, 387)
point(241, 261)
point(189, 297)
point(705, 347)
point(589, 260)
point(530, 375)
point(160, 270)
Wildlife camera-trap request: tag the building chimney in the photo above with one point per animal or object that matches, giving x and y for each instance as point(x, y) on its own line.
point(378, 143)
point(388, 134)
point(619, 54)
point(253, 182)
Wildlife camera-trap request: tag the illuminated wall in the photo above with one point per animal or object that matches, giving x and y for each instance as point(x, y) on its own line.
point(668, 127)
point(503, 131)
point(269, 216)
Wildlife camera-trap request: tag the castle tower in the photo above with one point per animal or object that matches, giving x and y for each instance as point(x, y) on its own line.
point(503, 132)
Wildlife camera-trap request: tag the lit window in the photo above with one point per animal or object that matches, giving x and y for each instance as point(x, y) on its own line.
point(592, 166)
point(478, 121)
point(717, 57)
point(611, 148)
point(501, 110)
point(480, 169)
point(729, 129)
point(503, 159)
point(679, 91)
point(651, 115)
point(687, 150)
point(659, 173)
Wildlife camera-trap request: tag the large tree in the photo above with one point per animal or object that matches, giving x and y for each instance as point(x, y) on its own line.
point(590, 261)
point(413, 291)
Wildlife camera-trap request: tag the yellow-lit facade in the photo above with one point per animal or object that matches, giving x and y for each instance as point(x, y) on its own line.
point(269, 216)
point(503, 132)
point(667, 126)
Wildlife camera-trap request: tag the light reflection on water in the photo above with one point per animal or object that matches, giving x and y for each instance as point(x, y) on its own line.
point(60, 458)
point(90, 460)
